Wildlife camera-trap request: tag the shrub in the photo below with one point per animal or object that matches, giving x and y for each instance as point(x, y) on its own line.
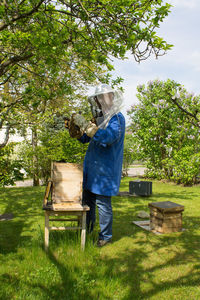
point(10, 168)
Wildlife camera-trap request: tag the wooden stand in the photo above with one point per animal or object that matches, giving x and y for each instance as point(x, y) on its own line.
point(65, 200)
point(166, 216)
point(80, 218)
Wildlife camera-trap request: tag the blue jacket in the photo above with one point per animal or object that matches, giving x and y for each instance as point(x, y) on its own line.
point(103, 160)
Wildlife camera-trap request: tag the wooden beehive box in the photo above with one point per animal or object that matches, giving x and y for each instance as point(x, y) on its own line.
point(166, 216)
point(67, 179)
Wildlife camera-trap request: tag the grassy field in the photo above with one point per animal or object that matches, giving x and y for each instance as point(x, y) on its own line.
point(137, 265)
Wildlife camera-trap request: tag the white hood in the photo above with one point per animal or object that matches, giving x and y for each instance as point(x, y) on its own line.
point(105, 103)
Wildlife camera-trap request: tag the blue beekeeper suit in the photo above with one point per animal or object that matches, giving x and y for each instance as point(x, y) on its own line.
point(103, 161)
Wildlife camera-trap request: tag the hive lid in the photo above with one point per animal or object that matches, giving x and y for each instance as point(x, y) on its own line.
point(167, 206)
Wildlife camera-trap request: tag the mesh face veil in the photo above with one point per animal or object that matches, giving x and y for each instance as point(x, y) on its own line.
point(105, 103)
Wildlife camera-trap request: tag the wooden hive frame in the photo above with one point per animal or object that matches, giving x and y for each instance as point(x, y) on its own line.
point(62, 198)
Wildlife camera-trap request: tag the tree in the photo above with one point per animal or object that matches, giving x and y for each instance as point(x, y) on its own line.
point(65, 44)
point(166, 138)
point(54, 145)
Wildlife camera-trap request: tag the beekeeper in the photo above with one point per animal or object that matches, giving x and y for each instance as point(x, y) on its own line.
point(103, 160)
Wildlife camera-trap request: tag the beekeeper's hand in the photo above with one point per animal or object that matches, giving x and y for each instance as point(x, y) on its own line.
point(74, 130)
point(86, 126)
point(80, 121)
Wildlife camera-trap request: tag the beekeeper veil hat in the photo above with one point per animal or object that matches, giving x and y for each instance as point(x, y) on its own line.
point(105, 103)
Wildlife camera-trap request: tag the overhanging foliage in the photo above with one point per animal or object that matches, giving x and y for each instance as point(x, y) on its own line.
point(52, 49)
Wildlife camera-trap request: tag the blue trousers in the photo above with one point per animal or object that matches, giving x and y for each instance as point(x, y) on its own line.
point(105, 213)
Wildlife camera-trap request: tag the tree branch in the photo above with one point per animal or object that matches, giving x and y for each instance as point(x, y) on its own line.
point(11, 61)
point(84, 8)
point(22, 16)
point(32, 72)
point(184, 110)
point(7, 79)
point(10, 105)
point(62, 12)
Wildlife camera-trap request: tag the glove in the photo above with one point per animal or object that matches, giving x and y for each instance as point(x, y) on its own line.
point(91, 129)
point(74, 130)
point(80, 121)
point(88, 127)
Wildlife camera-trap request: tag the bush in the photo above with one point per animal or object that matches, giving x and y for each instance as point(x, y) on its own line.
point(10, 169)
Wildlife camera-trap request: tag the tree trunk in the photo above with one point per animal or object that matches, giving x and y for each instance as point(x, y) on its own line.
point(35, 158)
point(2, 120)
point(6, 137)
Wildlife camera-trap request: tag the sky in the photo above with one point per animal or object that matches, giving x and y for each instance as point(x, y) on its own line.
point(182, 63)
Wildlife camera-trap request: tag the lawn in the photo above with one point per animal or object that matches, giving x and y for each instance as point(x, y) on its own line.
point(137, 265)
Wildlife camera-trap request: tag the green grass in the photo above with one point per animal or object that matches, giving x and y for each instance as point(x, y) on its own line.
point(137, 265)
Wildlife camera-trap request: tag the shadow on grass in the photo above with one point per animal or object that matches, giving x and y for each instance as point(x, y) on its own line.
point(149, 263)
point(61, 290)
point(25, 205)
point(128, 267)
point(67, 287)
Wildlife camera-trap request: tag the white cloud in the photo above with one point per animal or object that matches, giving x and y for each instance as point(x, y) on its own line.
point(185, 3)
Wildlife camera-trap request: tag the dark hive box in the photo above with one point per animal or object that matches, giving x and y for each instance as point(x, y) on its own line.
point(140, 188)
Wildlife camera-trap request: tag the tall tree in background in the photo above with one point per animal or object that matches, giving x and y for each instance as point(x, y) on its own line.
point(52, 49)
point(166, 138)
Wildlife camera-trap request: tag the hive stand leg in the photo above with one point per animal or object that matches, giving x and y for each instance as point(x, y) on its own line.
point(46, 233)
point(83, 232)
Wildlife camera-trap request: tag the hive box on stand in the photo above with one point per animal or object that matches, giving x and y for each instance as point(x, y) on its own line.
point(166, 216)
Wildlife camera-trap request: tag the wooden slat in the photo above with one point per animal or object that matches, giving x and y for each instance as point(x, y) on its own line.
point(162, 229)
point(176, 222)
point(61, 208)
point(47, 191)
point(69, 207)
point(64, 228)
point(158, 214)
point(63, 220)
point(46, 231)
point(83, 232)
point(59, 213)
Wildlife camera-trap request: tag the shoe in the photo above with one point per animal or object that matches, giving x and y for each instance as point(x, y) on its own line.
point(101, 243)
